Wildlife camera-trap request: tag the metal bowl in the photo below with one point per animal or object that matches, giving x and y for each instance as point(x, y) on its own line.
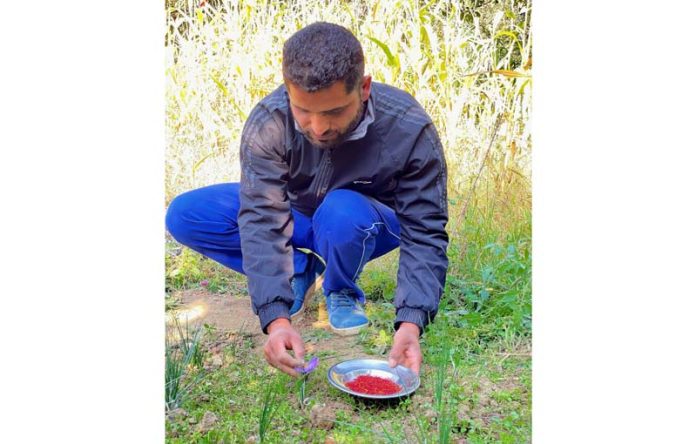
point(346, 371)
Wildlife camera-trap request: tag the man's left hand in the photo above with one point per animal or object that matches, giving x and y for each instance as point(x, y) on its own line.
point(406, 347)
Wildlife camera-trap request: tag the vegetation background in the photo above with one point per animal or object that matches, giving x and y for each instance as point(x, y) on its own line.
point(469, 64)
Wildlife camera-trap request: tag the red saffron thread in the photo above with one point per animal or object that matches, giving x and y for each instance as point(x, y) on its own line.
point(373, 385)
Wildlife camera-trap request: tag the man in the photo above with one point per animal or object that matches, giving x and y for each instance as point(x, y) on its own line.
point(336, 171)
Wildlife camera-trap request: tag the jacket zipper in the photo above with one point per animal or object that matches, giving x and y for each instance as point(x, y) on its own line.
point(324, 177)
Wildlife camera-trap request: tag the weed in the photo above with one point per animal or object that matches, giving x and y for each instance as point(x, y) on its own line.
point(183, 357)
point(442, 405)
point(422, 434)
point(270, 405)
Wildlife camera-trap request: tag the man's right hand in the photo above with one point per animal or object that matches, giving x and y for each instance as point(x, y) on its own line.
point(281, 338)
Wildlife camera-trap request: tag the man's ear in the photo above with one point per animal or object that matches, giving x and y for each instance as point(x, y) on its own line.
point(365, 88)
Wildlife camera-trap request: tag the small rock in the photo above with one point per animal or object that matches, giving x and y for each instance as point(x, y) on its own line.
point(176, 414)
point(207, 422)
point(192, 420)
point(463, 411)
point(204, 397)
point(431, 415)
point(493, 417)
point(329, 440)
point(322, 418)
point(418, 399)
point(253, 439)
point(216, 361)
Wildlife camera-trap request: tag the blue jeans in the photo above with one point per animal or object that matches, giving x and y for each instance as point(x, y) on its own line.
point(347, 230)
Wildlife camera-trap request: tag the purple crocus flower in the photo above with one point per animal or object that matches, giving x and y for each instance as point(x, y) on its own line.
point(309, 367)
point(204, 283)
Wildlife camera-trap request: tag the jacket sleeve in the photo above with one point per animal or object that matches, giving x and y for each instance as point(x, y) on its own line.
point(265, 220)
point(421, 207)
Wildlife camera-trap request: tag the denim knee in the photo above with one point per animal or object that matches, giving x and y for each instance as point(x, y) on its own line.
point(176, 220)
point(343, 209)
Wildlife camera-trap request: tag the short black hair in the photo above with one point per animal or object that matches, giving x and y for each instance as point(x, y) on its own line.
point(320, 54)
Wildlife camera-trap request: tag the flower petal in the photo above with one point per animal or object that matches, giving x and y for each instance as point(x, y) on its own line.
point(308, 367)
point(312, 364)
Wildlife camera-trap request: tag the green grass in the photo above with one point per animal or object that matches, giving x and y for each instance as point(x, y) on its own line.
point(487, 412)
point(185, 270)
point(468, 64)
point(477, 352)
point(271, 403)
point(183, 360)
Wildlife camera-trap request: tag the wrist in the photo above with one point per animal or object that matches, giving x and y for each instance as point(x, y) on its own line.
point(411, 315)
point(409, 327)
point(278, 323)
point(272, 311)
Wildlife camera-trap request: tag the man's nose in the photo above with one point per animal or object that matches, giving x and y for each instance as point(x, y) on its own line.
point(320, 126)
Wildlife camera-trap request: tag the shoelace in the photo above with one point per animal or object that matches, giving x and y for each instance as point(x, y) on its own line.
point(338, 300)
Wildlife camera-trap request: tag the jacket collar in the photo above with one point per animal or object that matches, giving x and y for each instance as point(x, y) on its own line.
point(360, 130)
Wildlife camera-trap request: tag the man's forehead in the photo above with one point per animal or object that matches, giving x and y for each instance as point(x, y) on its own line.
point(326, 99)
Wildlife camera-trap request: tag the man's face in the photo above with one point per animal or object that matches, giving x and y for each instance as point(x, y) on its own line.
point(327, 116)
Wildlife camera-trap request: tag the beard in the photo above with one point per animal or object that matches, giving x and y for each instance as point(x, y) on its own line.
point(341, 135)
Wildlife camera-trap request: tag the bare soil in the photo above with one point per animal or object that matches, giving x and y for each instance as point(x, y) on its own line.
point(233, 315)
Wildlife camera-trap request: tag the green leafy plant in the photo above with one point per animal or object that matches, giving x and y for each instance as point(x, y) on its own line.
point(271, 401)
point(442, 406)
point(302, 381)
point(183, 358)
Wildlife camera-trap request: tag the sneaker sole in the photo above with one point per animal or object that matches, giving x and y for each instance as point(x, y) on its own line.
point(349, 331)
point(308, 296)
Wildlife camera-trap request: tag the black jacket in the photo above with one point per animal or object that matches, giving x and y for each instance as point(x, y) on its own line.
point(399, 161)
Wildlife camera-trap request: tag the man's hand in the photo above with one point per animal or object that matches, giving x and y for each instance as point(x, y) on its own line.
point(282, 337)
point(406, 347)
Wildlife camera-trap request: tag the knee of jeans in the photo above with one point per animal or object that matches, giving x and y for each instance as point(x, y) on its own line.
point(177, 224)
point(343, 211)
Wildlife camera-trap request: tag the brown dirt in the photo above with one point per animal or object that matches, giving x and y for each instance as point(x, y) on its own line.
point(322, 416)
point(486, 409)
point(227, 313)
point(207, 422)
point(231, 314)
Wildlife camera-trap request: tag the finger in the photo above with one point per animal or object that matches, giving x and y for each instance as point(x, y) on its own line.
point(298, 347)
point(284, 358)
point(267, 353)
point(277, 360)
point(395, 357)
point(392, 358)
point(288, 370)
point(415, 366)
point(415, 359)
